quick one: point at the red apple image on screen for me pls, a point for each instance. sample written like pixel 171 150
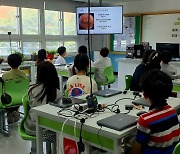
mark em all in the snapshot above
pixel 83 21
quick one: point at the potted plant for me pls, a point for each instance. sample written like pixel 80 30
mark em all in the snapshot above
pixel 50 54
pixel 34 56
pixel 19 53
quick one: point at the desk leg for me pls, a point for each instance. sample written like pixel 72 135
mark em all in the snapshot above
pixel 39 139
pixel 117 147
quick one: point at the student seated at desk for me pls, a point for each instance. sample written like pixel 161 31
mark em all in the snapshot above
pixel 101 64
pixel 14 61
pixel 158 130
pixel 139 71
pixel 42 56
pixel 79 84
pixel 62 53
pixel 167 68
pixel 44 91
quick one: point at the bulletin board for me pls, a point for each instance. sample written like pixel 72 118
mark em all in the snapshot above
pixel 131 34
pixel 161 28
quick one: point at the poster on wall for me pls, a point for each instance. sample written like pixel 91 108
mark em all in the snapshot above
pixel 121 41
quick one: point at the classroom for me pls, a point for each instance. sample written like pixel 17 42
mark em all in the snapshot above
pixel 90 77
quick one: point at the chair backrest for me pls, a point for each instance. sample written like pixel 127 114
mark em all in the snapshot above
pixel 1 106
pixel 177 149
pixel 17 89
pixel 128 80
pixel 25 105
pixel 109 74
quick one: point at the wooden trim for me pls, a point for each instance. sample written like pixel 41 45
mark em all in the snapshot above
pixel 117 52
pixel 151 13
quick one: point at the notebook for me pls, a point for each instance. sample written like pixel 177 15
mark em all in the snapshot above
pixel 107 92
pixel 118 122
pixel 142 101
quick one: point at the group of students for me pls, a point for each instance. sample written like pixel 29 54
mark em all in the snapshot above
pixel 157 130
pixel 153 60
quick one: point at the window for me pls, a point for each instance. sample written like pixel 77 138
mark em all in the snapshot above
pixel 30 21
pixel 53 45
pixel 5 48
pixel 8 20
pixel 52 23
pixel 69 23
pixel 30 47
pixel 71 46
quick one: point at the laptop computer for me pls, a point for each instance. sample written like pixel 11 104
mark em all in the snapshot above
pixel 142 101
pixel 118 122
pixel 107 92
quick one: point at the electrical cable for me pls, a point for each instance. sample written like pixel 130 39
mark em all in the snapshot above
pixel 99 137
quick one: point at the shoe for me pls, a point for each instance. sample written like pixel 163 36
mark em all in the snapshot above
pixel 16 116
pixel 10 118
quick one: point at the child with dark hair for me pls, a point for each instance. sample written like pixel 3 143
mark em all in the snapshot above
pixel 42 56
pixel 101 64
pixel 62 53
pixel 139 71
pixel 167 68
pixel 14 61
pixel 79 84
pixel 82 49
pixel 44 91
pixel 157 130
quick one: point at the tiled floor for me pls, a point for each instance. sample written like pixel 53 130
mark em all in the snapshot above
pixel 15 145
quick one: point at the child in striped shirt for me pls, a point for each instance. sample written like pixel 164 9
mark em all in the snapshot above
pixel 157 130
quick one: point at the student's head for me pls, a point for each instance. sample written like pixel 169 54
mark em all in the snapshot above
pixel 156 85
pixel 104 52
pixel 166 57
pixel 155 60
pixel 81 62
pixel 82 49
pixel 14 61
pixel 62 51
pixel 41 56
pixel 47 75
pixel 146 55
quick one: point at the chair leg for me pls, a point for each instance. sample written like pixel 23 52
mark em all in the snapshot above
pixel 54 150
pixel 48 147
pixel 33 147
pixel 3 124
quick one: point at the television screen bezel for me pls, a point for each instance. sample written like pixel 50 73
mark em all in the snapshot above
pixel 99 33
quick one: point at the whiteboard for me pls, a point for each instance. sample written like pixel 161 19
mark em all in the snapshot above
pixel 164 28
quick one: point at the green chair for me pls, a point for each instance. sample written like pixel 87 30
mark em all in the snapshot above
pixel 128 80
pixel 109 74
pixel 21 129
pixel 16 89
pixel 177 149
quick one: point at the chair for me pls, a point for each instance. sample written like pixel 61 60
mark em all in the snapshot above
pixel 21 129
pixel 22 132
pixel 128 80
pixel 16 89
pixel 177 149
pixel 109 74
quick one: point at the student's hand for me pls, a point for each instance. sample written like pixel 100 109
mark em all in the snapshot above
pixel 137 149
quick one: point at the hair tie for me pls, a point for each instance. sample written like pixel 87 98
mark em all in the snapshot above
pixel 156 55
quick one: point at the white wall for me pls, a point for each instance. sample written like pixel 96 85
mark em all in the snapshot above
pixel 150 6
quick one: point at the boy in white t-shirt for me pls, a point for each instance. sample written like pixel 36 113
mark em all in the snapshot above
pixel 79 84
pixel 62 53
pixel 101 64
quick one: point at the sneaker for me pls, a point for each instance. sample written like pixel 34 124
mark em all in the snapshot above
pixel 9 118
pixel 16 116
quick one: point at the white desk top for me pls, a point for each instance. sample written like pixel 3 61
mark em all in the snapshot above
pixel 91 123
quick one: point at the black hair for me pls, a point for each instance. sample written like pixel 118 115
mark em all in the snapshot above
pixel 166 57
pixel 104 52
pixel 61 50
pixel 156 85
pixel 154 60
pixel 14 60
pixel 82 49
pixel 47 75
pixel 41 56
pixel 81 62
pixel 146 55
